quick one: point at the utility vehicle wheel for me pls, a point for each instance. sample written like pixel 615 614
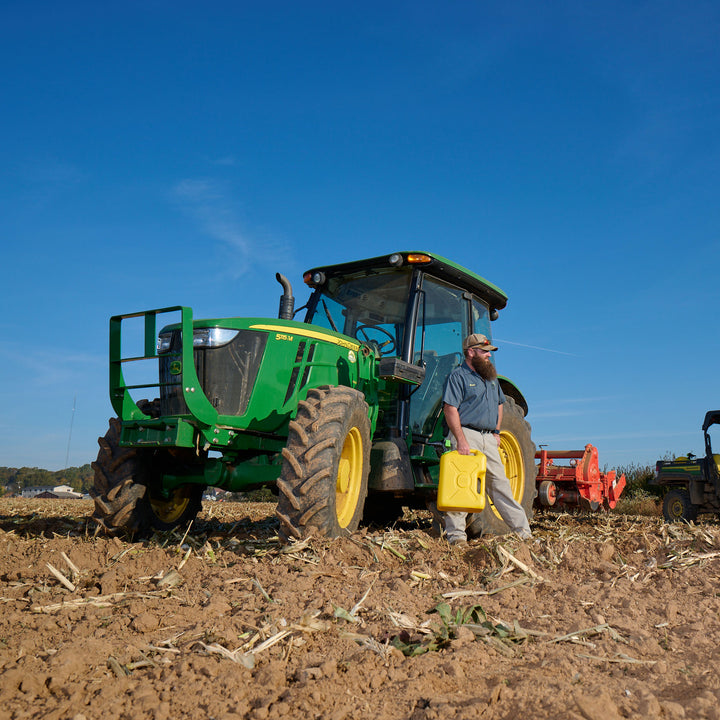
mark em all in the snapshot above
pixel 123 493
pixel 323 483
pixel 517 453
pixel 677 506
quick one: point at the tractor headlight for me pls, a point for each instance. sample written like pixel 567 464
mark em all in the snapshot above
pixel 213 337
pixel 164 342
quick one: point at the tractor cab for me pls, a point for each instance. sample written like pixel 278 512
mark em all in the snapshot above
pixel 416 307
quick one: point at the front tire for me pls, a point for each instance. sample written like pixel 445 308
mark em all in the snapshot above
pixel 517 453
pixel 677 506
pixel 326 462
pixel 125 500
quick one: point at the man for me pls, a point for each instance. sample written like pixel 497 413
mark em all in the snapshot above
pixel 473 405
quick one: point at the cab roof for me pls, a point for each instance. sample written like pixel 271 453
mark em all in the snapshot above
pixel 712 417
pixel 432 264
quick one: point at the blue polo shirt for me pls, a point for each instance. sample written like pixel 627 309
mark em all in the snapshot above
pixel 477 400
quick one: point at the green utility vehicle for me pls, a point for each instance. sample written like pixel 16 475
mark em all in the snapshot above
pixel 340 414
pixel 692 484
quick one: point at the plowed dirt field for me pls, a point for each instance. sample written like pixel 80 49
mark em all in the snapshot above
pixel 599 617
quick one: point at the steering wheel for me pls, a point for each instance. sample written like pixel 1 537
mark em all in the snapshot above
pixel 361 332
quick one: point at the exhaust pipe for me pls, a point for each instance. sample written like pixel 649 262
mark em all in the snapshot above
pixel 287 301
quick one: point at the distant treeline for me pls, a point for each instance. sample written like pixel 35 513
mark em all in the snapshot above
pixel 81 478
pixel 15 479
pixel 637 479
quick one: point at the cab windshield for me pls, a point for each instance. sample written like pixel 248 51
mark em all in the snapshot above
pixel 370 306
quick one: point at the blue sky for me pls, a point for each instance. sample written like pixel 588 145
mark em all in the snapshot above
pixel 163 153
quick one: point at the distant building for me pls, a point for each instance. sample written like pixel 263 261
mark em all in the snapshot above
pixel 48 491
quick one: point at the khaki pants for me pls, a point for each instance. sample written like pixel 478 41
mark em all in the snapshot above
pixel 497 487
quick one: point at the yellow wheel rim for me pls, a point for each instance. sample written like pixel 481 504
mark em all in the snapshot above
pixel 172 509
pixel 349 478
pixel 512 460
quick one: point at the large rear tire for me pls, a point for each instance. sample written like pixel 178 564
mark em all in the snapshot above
pixel 677 506
pixel 326 462
pixel 125 499
pixel 517 453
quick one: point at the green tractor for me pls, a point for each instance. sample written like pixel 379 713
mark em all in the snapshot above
pixel 340 414
pixel 691 484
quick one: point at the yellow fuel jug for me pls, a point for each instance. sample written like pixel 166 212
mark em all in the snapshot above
pixel 461 487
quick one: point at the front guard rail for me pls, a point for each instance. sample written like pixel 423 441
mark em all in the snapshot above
pixel 126 408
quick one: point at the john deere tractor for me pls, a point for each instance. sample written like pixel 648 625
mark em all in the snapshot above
pixel 339 413
pixel 691 484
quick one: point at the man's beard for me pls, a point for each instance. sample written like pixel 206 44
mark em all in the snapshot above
pixel 484 368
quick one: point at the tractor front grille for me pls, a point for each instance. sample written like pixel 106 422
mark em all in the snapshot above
pixel 227 374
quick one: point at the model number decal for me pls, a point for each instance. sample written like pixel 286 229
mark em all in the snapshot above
pixel 308 333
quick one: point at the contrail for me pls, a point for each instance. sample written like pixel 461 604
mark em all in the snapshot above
pixel 534 347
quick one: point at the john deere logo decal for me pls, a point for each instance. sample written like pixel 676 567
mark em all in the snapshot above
pixel 175 367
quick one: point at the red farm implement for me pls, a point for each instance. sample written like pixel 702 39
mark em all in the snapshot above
pixel 579 485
